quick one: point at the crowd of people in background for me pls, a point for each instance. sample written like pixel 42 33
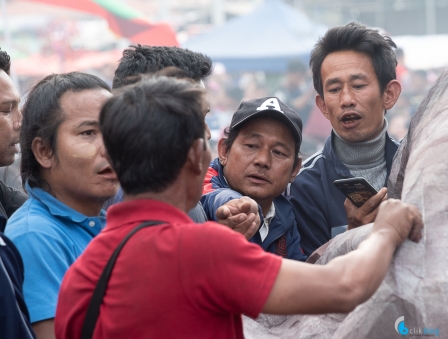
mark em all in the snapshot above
pixel 227 89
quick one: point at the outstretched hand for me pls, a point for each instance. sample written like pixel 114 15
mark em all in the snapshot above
pixel 240 215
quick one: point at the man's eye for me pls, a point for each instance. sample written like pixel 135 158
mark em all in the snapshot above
pixel 250 145
pixel 359 86
pixel 6 110
pixel 279 153
pixel 333 90
pixel 88 132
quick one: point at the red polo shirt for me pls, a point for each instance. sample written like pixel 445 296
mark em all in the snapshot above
pixel 177 280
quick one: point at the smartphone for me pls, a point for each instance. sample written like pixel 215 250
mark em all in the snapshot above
pixel 357 190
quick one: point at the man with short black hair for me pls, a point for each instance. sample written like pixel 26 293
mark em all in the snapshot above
pixel 139 60
pixel 354 75
pixel 15 319
pixel 10 123
pixel 68 178
pixel 201 277
pixel 143 59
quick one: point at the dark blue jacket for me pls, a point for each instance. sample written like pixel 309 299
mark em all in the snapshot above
pixel 318 204
pixel 283 238
pixel 14 317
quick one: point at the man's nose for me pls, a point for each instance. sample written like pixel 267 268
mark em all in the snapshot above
pixel 208 134
pixel 102 149
pixel 263 158
pixel 17 119
pixel 347 97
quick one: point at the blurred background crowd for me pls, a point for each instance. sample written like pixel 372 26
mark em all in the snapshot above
pixel 259 47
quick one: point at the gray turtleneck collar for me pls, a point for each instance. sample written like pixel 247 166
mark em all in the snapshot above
pixel 364 159
pixel 361 153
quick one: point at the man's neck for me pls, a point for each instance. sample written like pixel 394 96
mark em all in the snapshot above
pixel 87 207
pixel 363 152
pixel 265 206
pixel 178 194
pixel 163 197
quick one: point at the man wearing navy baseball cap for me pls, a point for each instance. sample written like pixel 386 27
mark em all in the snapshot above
pixel 258 157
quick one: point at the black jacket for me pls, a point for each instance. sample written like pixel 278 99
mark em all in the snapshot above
pixel 14 316
pixel 10 200
pixel 318 204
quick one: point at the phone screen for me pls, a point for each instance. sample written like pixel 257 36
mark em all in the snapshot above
pixel 357 190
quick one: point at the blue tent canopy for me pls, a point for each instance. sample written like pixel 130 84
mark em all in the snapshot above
pixel 265 39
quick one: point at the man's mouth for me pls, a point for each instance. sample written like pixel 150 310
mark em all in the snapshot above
pixel 107 172
pixel 258 178
pixel 348 118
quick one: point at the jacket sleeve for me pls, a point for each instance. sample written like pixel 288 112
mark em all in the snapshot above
pixel 294 247
pixel 309 212
pixel 11 198
pixel 15 321
pixel 213 200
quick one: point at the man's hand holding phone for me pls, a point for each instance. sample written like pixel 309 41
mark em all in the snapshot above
pixel 358 216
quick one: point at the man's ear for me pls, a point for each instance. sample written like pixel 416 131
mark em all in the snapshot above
pixel 195 155
pixel 391 94
pixel 296 169
pixel 222 152
pixel 42 152
pixel 321 104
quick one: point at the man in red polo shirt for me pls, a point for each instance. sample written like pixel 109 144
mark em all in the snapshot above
pixel 179 279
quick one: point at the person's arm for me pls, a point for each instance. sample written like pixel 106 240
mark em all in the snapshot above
pixel 348 280
pixel 235 213
pixel 241 215
pixel 358 216
pixel 44 329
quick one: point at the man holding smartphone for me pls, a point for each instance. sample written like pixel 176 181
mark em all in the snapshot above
pixel 355 79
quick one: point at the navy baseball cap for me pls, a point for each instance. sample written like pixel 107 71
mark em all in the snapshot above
pixel 270 107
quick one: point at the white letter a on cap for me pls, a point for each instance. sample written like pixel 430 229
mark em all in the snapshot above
pixel 271 103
